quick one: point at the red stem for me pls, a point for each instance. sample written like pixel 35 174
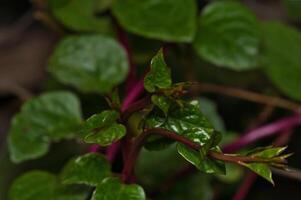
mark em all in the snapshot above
pixel 139 141
pixel 263 132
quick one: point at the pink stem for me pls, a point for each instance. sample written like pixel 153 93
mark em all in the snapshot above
pixel 122 37
pixel 112 151
pixel 94 148
pixel 133 95
pixel 263 132
pixel 133 89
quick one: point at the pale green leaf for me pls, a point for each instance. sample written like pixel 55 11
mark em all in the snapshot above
pixel 91 63
pixel 51 116
pixel 168 20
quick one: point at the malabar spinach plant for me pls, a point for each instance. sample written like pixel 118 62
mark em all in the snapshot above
pixel 153 113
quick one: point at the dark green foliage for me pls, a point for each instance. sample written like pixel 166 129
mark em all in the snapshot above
pixel 166 20
pixel 225 34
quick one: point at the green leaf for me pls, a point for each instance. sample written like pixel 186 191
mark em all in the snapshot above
pixel 36 185
pixel 162 102
pixel 213 141
pixel 80 15
pixel 53 115
pixel 33 186
pixel 293 8
pixel 228 36
pixel 26 142
pixel 103 129
pixel 101 120
pixel 267 152
pixel 159 76
pixel 166 20
pixel 107 136
pixel 89 169
pixel 91 63
pixel 281 57
pixel 204 164
pixel 187 120
pixel 112 189
pixel 261 169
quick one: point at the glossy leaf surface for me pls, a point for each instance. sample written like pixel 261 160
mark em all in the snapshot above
pixel 103 129
pixel 228 36
pixel 112 189
pixel 89 169
pixel 91 63
pixel 159 76
pixel 187 120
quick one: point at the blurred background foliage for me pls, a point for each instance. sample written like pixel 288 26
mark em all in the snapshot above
pixel 29 32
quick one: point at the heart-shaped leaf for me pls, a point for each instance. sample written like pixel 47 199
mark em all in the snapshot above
pixel 112 189
pixel 102 128
pixel 165 20
pixel 228 36
pixel 91 63
pixel 37 185
pixel 89 169
pixel 282 67
pixel 159 76
pixel 53 115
